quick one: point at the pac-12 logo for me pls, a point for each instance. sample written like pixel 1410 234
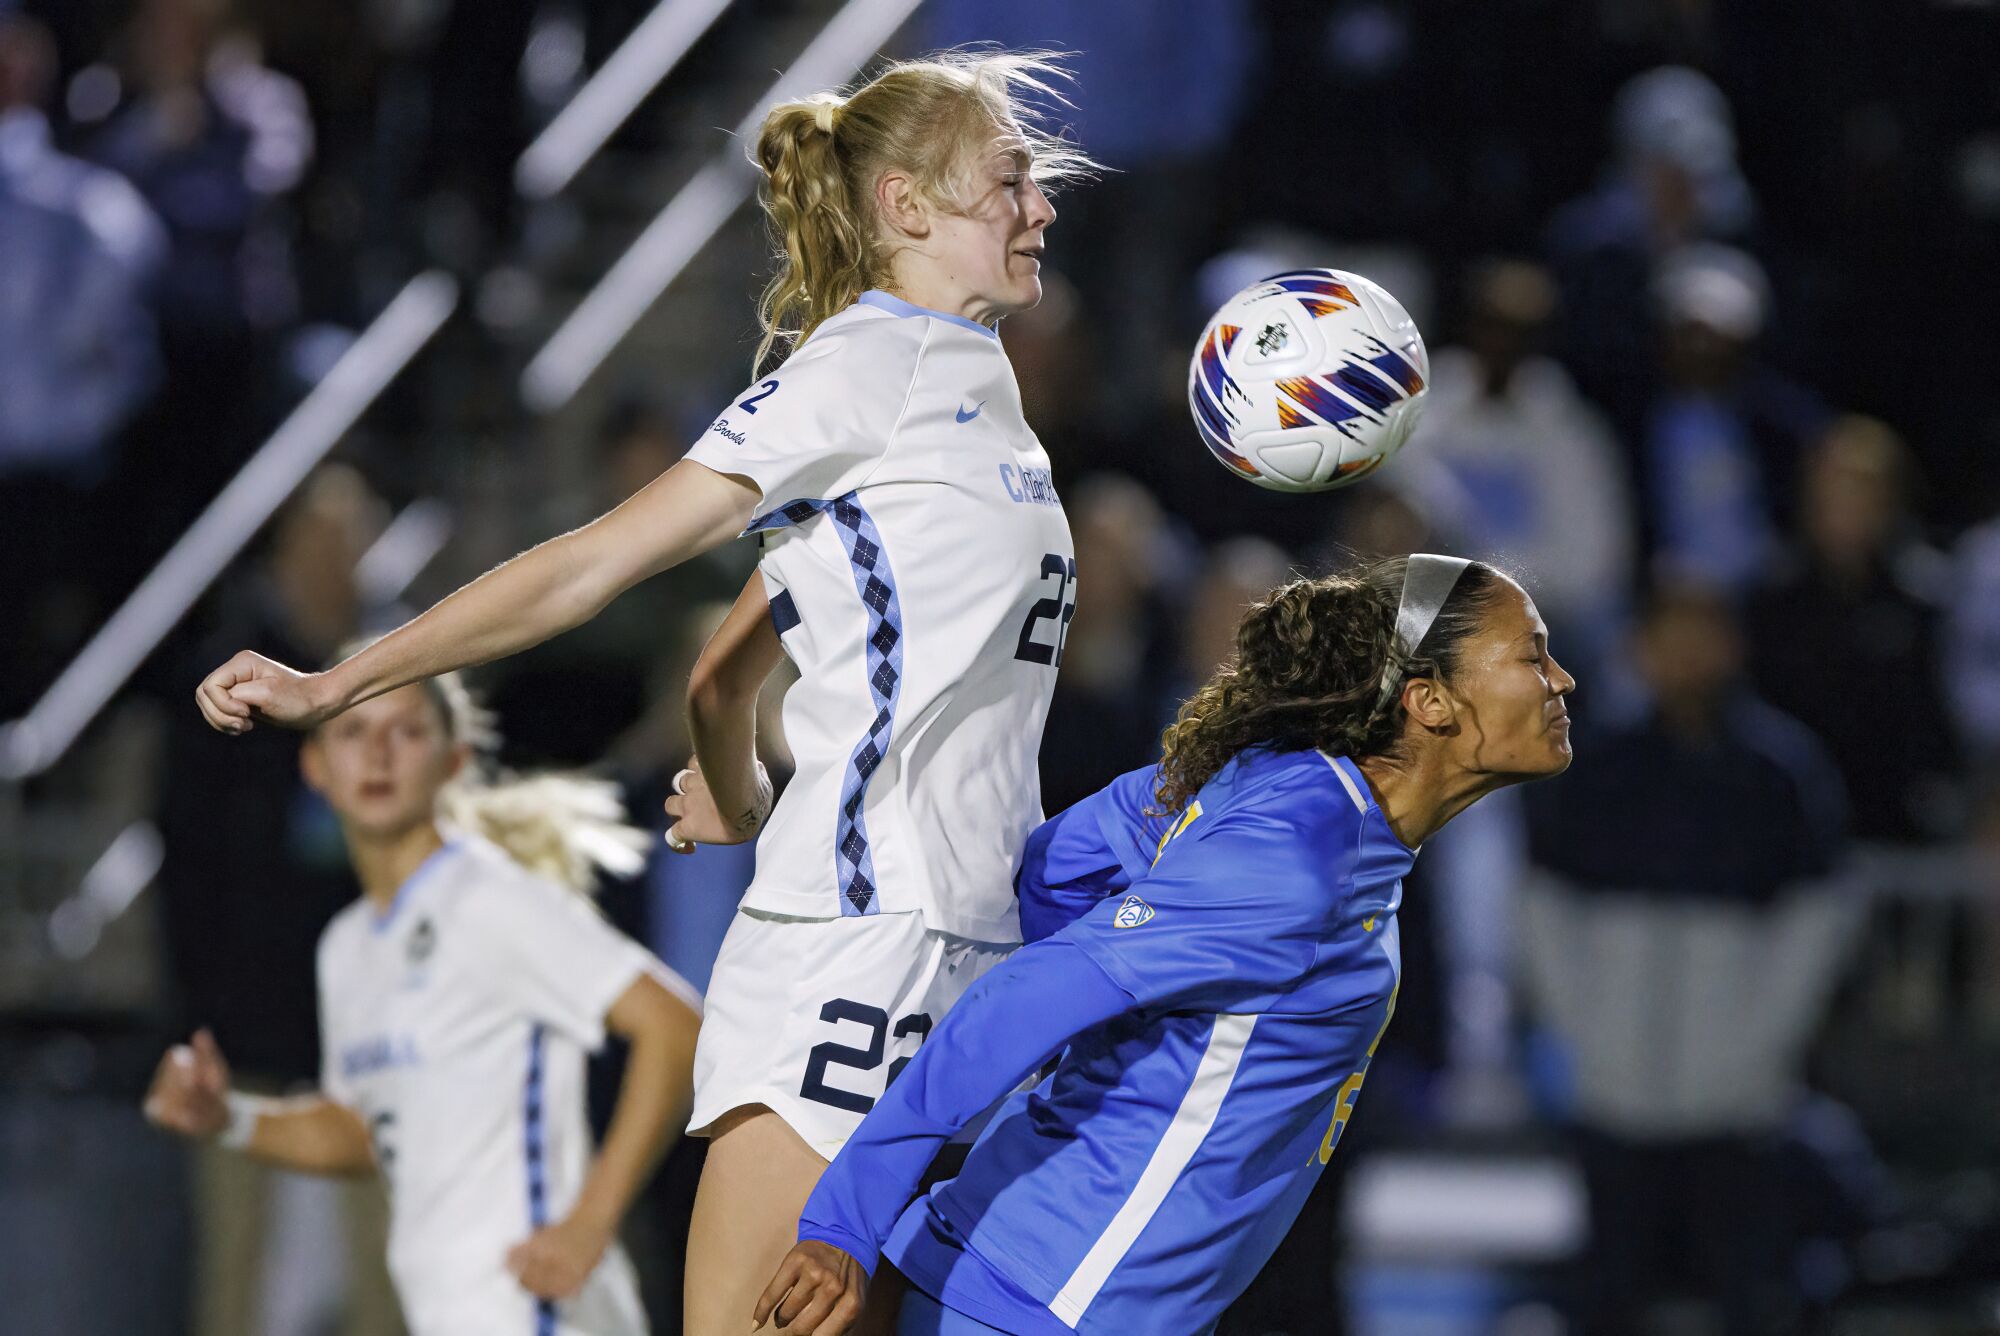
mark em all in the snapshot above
pixel 1132 913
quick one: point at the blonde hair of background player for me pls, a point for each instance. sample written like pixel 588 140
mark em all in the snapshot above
pixel 564 827
pixel 821 157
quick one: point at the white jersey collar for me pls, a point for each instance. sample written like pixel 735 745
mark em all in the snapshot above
pixel 894 305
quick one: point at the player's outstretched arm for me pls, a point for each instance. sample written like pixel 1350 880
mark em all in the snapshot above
pixel 190 1095
pixel 724 794
pixel 1007 1025
pixel 550 588
pixel 653 1105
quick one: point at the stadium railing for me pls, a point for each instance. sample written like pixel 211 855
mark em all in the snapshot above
pixel 31 744
pixel 612 94
pixel 697 212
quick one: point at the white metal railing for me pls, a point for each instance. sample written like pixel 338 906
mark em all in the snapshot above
pixel 635 69
pixel 697 212
pixel 401 551
pixel 37 740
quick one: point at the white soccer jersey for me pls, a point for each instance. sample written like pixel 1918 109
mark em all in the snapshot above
pixel 456 1024
pixel 921 576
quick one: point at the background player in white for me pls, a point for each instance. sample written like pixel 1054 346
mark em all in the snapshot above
pixel 918 563
pixel 458 999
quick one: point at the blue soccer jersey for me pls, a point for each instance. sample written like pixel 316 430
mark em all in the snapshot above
pixel 1216 1014
pixel 1095 848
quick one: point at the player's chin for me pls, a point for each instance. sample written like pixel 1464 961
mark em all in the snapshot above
pixel 1025 289
pixel 382 818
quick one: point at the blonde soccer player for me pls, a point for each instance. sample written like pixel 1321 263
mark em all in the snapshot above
pixel 917 563
pixel 459 999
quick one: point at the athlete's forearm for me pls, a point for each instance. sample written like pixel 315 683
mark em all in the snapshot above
pixel 516 605
pixel 1007 1025
pixel 310 1135
pixel 722 705
pixel 653 1102
pixel 550 588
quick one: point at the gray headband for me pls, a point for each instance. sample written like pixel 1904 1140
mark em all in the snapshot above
pixel 1427 583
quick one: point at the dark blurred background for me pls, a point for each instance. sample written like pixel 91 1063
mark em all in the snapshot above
pixel 1702 1037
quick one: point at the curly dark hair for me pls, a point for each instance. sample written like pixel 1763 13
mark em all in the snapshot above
pixel 1308 673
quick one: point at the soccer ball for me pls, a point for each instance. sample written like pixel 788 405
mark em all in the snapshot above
pixel 1308 381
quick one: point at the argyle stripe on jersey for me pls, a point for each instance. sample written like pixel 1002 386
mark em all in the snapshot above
pixel 875 582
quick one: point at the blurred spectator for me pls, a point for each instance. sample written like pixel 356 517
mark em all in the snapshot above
pixel 1679 936
pixel 214 141
pixel 253 869
pixel 79 254
pixel 1371 522
pixel 1513 466
pixel 1053 359
pixel 1238 573
pixel 1985 973
pixel 1723 437
pixel 1104 718
pixel 1973 644
pixel 1674 181
pixel 211 137
pixel 79 250
pixel 1855 619
pixel 483 56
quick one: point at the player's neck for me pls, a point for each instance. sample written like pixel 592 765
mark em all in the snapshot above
pixel 1420 799
pixel 383 864
pixel 922 282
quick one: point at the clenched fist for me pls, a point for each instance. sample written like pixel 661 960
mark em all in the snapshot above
pixel 699 819
pixel 251 687
pixel 554 1262
pixel 190 1091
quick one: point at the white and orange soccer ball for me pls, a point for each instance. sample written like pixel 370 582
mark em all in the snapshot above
pixel 1309 380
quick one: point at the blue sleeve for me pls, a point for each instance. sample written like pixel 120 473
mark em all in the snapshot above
pixel 1007 1025
pixel 1229 919
pixel 1093 849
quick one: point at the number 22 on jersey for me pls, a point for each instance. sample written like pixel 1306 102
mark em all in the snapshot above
pixel 1055 609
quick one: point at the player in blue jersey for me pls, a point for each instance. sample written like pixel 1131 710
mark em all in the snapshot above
pixel 1217 959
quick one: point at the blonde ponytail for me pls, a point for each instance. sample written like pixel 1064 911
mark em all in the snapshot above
pixel 566 827
pixel 823 249
pixel 822 155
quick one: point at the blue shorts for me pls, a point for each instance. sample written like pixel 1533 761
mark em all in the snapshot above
pixel 925 1316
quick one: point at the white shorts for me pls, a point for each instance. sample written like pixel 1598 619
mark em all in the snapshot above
pixel 814 1016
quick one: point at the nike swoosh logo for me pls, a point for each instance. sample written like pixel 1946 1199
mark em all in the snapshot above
pixel 964 416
